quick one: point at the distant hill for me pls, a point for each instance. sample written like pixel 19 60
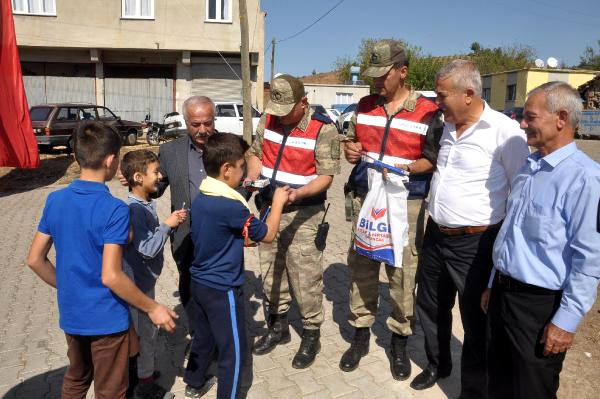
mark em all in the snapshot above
pixel 326 78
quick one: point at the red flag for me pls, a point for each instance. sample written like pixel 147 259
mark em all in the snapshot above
pixel 18 146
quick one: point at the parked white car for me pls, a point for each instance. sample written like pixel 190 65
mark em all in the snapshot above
pixel 345 117
pixel 333 113
pixel 328 112
pixel 229 117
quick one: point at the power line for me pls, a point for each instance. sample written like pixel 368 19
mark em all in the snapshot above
pixel 311 25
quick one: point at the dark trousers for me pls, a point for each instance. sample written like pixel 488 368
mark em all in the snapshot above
pixel 219 324
pixel 517 367
pixel 103 359
pixel 449 265
pixel 184 256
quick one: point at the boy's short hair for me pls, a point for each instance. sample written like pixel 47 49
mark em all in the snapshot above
pixel 136 161
pixel 222 148
pixel 93 143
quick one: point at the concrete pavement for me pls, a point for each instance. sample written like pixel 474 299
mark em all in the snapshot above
pixel 33 348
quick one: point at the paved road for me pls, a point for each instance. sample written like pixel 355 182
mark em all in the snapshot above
pixel 33 349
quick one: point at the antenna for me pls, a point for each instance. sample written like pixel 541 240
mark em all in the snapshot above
pixel 539 63
pixel 552 62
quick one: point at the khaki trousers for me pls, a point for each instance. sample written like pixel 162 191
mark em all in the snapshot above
pixel 364 276
pixel 293 264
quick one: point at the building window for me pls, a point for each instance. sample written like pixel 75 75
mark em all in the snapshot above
pixel 511 92
pixel 218 10
pixel 486 94
pixel 343 98
pixel 34 7
pixel 137 9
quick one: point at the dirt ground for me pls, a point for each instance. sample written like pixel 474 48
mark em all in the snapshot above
pixel 580 377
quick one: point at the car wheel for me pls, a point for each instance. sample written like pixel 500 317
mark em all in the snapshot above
pixel 131 138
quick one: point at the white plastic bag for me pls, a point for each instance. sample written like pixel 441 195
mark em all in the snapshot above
pixel 382 227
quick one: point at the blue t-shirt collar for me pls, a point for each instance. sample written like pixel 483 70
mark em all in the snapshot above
pixel 86 185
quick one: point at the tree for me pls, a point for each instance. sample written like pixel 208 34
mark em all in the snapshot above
pixel 423 67
pixel 498 59
pixel 590 58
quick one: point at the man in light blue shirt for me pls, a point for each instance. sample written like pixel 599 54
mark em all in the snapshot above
pixel 547 253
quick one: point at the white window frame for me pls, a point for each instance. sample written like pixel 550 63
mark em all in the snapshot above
pixel 218 18
pixel 138 9
pixel 27 12
pixel 344 96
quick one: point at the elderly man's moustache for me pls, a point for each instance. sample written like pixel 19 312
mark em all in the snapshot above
pixel 201 135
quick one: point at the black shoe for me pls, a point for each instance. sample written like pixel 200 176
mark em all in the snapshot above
pixel 278 333
pixel 428 377
pixel 358 348
pixel 309 347
pixel 399 361
pixel 200 392
pixel 151 390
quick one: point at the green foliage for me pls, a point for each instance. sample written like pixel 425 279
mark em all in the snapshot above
pixel 423 67
pixel 490 60
pixel 590 58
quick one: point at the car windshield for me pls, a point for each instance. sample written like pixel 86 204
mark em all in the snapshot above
pixel 350 108
pixel 39 113
pixel 105 113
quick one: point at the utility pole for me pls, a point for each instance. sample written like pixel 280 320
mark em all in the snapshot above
pixel 246 85
pixel 272 58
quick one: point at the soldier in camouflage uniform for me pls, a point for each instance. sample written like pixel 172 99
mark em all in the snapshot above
pixel 401 128
pixel 301 149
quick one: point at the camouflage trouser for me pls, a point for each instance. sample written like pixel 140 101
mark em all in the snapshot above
pixel 292 263
pixel 364 276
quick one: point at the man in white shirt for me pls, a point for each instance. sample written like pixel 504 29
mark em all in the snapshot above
pixel 481 150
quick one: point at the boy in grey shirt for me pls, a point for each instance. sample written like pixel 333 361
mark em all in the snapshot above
pixel 143 257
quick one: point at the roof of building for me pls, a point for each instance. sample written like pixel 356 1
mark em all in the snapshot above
pixel 586 85
pixel 553 70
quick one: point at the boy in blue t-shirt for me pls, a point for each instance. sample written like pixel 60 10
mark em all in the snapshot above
pixel 143 257
pixel 222 221
pixel 88 227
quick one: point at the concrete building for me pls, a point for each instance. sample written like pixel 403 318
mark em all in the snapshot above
pixel 330 94
pixel 508 89
pixel 136 56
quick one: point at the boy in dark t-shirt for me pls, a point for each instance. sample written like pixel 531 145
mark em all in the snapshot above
pixel 222 221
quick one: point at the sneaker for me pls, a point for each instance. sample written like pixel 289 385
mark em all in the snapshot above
pixel 152 391
pixel 193 393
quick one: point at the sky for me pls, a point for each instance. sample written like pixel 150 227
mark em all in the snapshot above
pixel 553 28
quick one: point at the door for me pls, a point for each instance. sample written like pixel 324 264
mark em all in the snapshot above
pixel 131 92
pixel 65 122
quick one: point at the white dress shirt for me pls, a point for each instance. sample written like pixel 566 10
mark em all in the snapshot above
pixel 472 180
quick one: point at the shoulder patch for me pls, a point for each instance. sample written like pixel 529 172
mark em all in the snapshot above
pixel 321 117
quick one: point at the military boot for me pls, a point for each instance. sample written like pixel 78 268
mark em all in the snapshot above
pixel 309 347
pixel 358 348
pixel 399 361
pixel 278 333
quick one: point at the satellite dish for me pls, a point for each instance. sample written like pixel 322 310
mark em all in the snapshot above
pixel 539 63
pixel 552 62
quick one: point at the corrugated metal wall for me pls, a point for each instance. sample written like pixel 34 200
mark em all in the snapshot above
pixel 217 82
pixel 133 98
pixel 59 89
